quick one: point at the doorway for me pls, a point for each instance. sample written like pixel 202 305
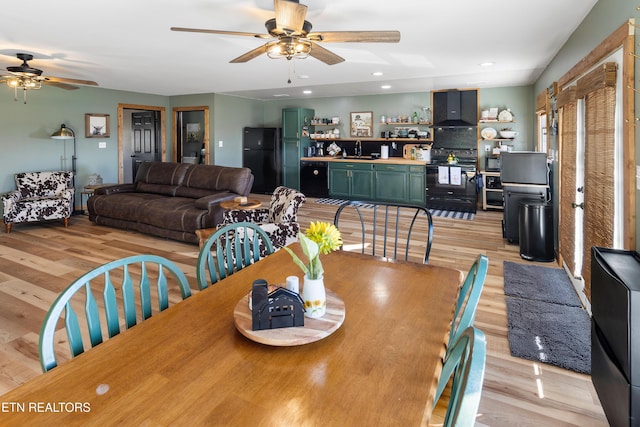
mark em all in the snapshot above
pixel 141 136
pixel 191 134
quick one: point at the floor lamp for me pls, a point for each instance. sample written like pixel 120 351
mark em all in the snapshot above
pixel 67 133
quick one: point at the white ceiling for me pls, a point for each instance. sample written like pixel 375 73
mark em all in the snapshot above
pixel 127 44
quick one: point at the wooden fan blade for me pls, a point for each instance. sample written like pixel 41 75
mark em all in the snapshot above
pixel 356 36
pixel 325 55
pixel 290 15
pixel 51 79
pixel 60 85
pixel 250 55
pixel 229 33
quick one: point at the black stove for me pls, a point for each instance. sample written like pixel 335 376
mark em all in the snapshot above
pixel 452 186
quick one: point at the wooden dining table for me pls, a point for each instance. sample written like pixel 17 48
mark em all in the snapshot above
pixel 189 365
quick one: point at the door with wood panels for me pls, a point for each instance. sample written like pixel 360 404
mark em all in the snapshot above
pixel 144 142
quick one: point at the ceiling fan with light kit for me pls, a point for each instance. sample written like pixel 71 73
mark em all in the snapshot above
pixel 27 78
pixel 290 36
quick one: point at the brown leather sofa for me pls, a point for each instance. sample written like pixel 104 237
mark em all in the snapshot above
pixel 170 200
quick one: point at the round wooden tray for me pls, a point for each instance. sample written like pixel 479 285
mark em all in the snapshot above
pixel 313 329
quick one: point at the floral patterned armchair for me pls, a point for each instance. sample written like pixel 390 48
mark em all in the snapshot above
pixel 40 196
pixel 279 221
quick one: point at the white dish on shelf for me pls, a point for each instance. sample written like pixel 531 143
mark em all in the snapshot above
pixel 488 133
pixel 505 116
pixel 509 134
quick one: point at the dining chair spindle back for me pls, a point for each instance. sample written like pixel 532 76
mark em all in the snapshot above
pixel 387 229
pixel 134 275
pixel 463 370
pixel 231 248
pixel 468 298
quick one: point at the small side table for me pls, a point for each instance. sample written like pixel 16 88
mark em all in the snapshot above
pixel 89 190
pixel 232 204
pixel 204 233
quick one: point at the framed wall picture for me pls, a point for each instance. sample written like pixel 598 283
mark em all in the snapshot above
pixel 96 125
pixel 362 124
pixel 193 132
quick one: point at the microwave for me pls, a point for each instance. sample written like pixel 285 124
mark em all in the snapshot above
pixel 492 164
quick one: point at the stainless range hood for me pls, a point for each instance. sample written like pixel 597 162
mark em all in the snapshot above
pixel 455 108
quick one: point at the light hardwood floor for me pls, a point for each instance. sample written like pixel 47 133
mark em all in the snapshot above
pixel 38 261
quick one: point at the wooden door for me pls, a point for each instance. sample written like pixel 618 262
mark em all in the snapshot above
pixel 144 142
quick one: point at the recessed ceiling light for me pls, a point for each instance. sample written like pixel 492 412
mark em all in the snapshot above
pixel 386 86
pixel 307 92
pixel 487 64
pixel 303 76
pixel 377 73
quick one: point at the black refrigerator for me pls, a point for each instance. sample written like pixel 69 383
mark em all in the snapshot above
pixel 262 153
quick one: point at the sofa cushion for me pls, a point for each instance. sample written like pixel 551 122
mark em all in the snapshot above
pixel 167 173
pixel 172 213
pixel 43 184
pixel 121 205
pixel 214 177
pixel 164 189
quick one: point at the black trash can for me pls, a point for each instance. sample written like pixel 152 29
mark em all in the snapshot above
pixel 536 230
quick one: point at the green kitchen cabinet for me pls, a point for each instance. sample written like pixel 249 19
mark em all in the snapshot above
pixel 351 180
pixel 391 183
pixel 296 128
pixel 417 182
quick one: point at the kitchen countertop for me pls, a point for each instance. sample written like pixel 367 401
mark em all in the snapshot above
pixel 365 159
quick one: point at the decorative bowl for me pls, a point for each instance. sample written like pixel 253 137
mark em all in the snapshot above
pixel 510 134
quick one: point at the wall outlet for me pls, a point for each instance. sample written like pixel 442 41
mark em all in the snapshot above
pixel 487 148
pixel 220 144
pixel 102 144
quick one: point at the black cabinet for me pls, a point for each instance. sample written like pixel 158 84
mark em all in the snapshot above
pixel 615 333
pixel 513 196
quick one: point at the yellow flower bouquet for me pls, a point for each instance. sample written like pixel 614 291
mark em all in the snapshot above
pixel 320 237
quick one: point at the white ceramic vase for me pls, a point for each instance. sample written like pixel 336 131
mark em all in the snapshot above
pixel 314 297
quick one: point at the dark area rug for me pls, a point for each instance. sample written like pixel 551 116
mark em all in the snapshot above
pixel 550 333
pixel 539 283
pixel 546 320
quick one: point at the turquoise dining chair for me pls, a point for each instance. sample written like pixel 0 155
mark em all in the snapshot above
pixel 468 298
pixel 464 368
pixel 231 248
pixel 134 275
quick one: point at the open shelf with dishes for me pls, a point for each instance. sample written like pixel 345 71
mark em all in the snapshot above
pixel 494 133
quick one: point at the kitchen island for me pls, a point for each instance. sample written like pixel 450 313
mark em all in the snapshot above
pixel 395 179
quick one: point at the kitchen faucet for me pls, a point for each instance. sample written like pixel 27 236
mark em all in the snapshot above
pixel 358 152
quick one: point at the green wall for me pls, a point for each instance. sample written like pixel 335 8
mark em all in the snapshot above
pixel 605 17
pixel 25 141
pixel 26 145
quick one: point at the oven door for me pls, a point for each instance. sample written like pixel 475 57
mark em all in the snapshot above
pixel 451 179
pixel 451 188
